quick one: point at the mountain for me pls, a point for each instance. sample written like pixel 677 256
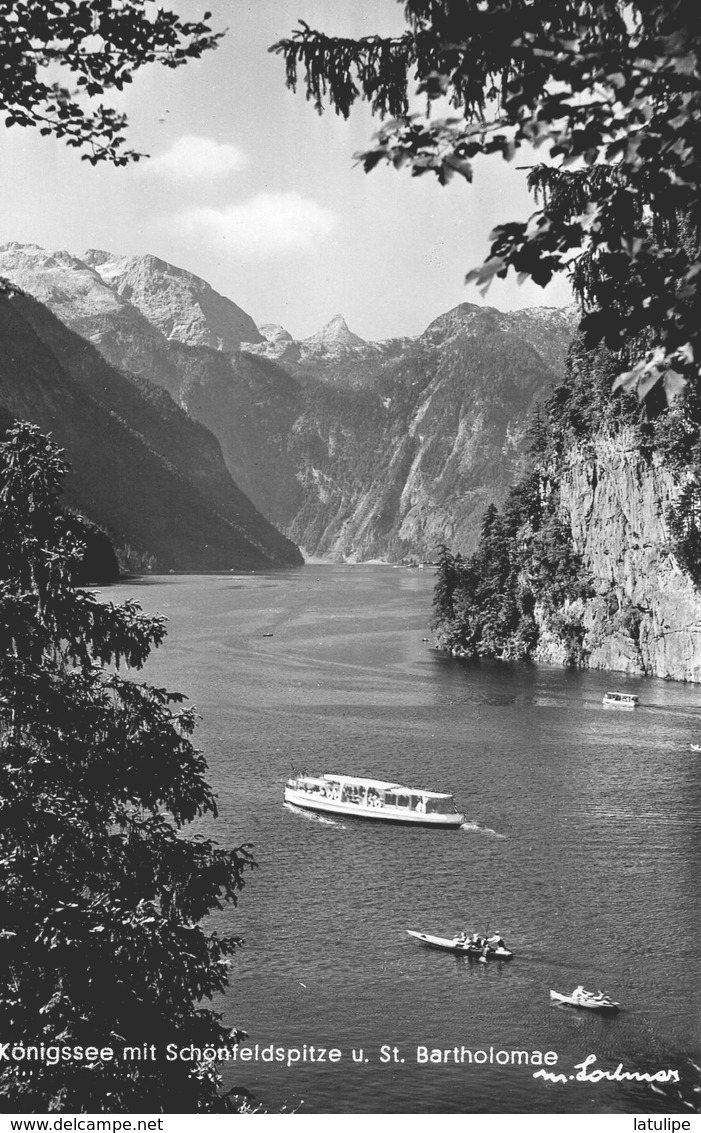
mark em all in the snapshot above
pixel 355 449
pixel 141 469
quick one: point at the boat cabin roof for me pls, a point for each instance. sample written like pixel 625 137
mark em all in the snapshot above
pixel 380 785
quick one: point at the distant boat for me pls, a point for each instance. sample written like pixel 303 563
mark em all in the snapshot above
pixel 463 946
pixel 620 699
pixel 580 997
pixel 374 799
pixel 695 747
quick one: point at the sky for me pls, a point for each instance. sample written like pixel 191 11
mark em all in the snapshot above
pixel 248 187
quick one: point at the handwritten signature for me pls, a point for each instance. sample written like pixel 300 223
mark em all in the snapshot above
pixel 585 1074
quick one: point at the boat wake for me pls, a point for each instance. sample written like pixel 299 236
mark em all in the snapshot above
pixel 475 828
pixel 313 817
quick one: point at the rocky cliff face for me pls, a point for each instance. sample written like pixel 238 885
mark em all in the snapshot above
pixel 646 615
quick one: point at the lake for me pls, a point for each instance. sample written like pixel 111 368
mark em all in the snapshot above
pixel 581 848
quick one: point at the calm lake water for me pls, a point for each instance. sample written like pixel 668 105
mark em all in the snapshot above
pixel 582 849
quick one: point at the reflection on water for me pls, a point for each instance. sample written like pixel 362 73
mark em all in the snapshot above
pixel 581 848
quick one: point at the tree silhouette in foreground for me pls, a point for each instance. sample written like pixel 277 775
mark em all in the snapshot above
pixel 96 45
pixel 609 90
pixel 101 893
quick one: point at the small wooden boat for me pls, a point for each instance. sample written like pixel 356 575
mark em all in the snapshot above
pixel 593 1001
pixel 462 947
pixel 620 699
pixel 355 797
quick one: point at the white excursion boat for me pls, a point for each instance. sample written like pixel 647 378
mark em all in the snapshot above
pixel 372 798
pixel 621 699
pixel 580 997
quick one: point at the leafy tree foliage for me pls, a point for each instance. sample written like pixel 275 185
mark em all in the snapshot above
pixel 96 45
pixel 101 892
pixel 609 90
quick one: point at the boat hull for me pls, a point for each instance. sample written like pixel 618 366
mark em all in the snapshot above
pixel 587 1005
pixel 446 944
pixel 374 814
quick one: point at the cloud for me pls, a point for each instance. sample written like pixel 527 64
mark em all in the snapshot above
pixel 265 225
pixel 197 159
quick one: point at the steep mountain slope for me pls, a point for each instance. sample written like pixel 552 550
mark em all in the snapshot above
pixel 355 449
pixel 383 450
pixel 141 469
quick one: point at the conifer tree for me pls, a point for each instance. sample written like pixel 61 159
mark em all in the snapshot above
pixel 101 891
pixel 447 578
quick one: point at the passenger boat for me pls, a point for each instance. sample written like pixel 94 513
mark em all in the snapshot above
pixel 463 947
pixel 621 699
pixel 372 798
pixel 580 997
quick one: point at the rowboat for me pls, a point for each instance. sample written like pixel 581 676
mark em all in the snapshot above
pixel 355 797
pixel 620 699
pixel 588 999
pixel 462 947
